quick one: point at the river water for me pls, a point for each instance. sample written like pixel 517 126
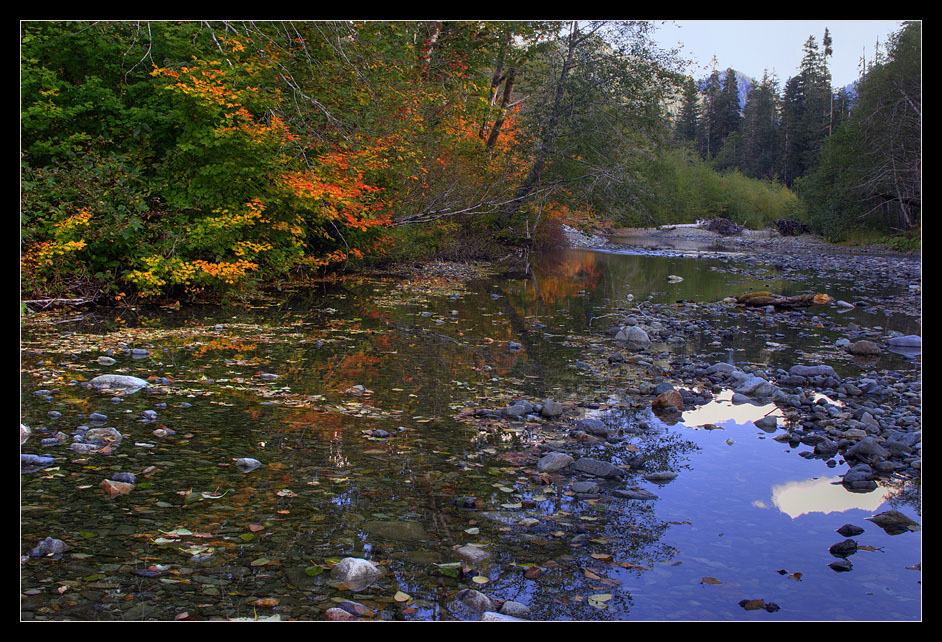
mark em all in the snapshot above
pixel 746 518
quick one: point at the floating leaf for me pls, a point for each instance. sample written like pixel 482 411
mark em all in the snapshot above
pixel 599 600
pixel 710 580
pixel 752 605
pixel 480 579
pixel 266 601
pixel 402 597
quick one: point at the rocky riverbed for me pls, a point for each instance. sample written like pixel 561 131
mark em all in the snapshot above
pixel 871 419
pixel 556 492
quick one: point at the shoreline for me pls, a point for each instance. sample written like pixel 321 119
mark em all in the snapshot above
pixel 748 241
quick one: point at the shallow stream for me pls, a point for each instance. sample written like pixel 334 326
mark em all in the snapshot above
pixel 746 518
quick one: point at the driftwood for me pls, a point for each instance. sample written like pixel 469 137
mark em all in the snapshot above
pixel 762 299
pixel 45 303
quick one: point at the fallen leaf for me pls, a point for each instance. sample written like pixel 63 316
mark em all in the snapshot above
pixel 402 597
pixel 266 601
pixel 752 605
pixel 710 580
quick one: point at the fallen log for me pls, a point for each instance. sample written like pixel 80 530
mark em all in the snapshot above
pixel 762 299
pixel 45 303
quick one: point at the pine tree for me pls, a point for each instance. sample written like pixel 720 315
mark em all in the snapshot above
pixel 761 130
pixel 686 128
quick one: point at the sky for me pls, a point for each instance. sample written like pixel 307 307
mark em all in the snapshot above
pixel 754 46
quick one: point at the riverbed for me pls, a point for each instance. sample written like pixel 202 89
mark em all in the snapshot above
pixel 406 419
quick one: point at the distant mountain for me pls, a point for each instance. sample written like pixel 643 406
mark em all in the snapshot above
pixel 743 83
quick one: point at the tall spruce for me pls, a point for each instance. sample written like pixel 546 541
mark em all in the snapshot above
pixel 709 120
pixel 686 127
pixel 761 130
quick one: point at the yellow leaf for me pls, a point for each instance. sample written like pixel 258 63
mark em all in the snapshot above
pixel 402 597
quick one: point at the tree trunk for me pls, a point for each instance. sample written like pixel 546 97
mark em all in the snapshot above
pixel 502 114
pixel 548 136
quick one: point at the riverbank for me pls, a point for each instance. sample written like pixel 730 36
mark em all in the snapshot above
pixel 747 240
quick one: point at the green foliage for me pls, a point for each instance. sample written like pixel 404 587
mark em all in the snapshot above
pixel 869 175
pixel 684 188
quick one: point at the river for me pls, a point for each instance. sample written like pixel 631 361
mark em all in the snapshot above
pixel 364 398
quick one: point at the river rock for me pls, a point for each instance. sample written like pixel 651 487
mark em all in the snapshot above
pixel 51 547
pixel 766 423
pixel 472 554
pixel 247 464
pixel 894 522
pixel 515 609
pixel 107 435
pixel 859 478
pixel 669 399
pixel 868 450
pixel 843 549
pixel 476 601
pixel 751 385
pixel 812 371
pixel 113 488
pixel 551 408
pixel 634 336
pixel 850 530
pixel 660 478
pixel 593 427
pixel 597 468
pixel 552 462
pixel 635 492
pixel 907 341
pixel 127 383
pixel 356 573
pixel 864 348
pixel 31 463
pixel 585 487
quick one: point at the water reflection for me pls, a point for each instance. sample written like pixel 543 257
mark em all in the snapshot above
pixel 722 410
pixel 824 495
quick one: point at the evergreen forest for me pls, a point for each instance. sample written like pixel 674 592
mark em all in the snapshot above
pixel 199 158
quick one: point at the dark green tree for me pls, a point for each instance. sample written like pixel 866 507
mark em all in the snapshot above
pixel 761 130
pixel 686 126
pixel 870 173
